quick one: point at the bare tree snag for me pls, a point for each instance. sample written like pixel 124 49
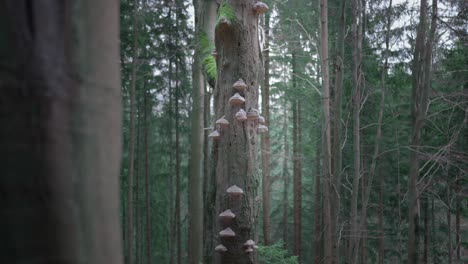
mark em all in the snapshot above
pixel 237 44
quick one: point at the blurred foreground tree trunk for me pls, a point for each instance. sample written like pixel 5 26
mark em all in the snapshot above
pixel 60 142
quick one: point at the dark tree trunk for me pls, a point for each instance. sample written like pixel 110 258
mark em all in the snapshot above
pixel 61 150
pixel 296 170
pixel 131 158
pixel 266 136
pixel 421 73
pixel 236 151
pixel 381 217
pixel 426 231
pixel 317 207
pixel 457 220
pixel 285 177
pixel 147 192
pixel 328 255
pixel 178 221
pixel 336 132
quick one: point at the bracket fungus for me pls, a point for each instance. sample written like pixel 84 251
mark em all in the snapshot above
pixel 220 248
pixel 249 250
pixel 227 233
pixel 249 243
pixel 253 114
pixel 234 191
pixel 260 7
pixel 261 120
pixel 227 215
pixel 236 99
pixel 241 115
pixel 223 21
pixel 240 85
pixel 262 129
pixel 214 135
pixel 222 122
pixel 214 53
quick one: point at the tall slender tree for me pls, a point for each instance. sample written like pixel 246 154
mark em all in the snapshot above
pixel 357 48
pixel 205 15
pixel 266 136
pixel 421 74
pixel 326 142
pixel 131 158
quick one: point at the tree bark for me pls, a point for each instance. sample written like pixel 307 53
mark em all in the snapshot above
pixel 297 226
pixel 236 162
pixel 61 150
pixel 131 151
pixel 177 154
pixel 381 218
pixel 426 231
pixel 354 232
pixel 147 194
pixel 336 132
pixel 266 136
pixel 285 177
pixel 449 224
pixel 204 21
pixel 421 74
pixel 317 207
pixel 457 220
pixel 326 142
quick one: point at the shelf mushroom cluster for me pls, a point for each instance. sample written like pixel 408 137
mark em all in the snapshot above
pixel 253 115
pixel 234 193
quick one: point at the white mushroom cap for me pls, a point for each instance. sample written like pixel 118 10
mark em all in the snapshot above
pixel 262 129
pixel 236 99
pixel 240 85
pixel 252 114
pixel 249 243
pixel 227 214
pixel 222 122
pixel 220 248
pixel 227 233
pixel 249 250
pixel 260 7
pixel 241 115
pixel 214 135
pixel 261 120
pixel 234 190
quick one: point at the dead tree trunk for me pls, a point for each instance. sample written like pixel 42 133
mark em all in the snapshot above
pixel 61 150
pixel 237 45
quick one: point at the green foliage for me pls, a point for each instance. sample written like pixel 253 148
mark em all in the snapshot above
pixel 275 254
pixel 208 61
pixel 226 11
